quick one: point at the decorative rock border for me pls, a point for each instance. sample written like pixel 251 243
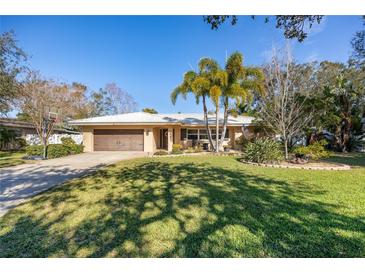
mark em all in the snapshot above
pixel 337 167
pixel 221 154
pixel 182 154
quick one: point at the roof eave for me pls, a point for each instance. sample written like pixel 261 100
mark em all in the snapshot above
pixel 144 123
pixel 117 123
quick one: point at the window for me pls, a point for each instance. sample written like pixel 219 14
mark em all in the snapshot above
pixel 203 134
pixel 213 131
pixel 183 134
pixel 199 134
pixel 193 134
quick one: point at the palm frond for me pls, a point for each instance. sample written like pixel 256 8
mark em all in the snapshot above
pixel 184 87
pixel 221 78
pixel 214 93
pixel 236 90
pixel 234 66
pixel 207 65
pixel 200 85
pixel 174 94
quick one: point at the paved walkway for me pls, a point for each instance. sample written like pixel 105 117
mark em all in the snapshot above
pixel 23 181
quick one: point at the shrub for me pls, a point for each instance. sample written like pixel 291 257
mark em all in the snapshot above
pixel 67 141
pixel 53 150
pixel 77 149
pixel 198 149
pixel 314 151
pixel 36 150
pixel 356 143
pixel 9 139
pixel 242 141
pixel 20 143
pixel 57 150
pixel 70 144
pixel 176 149
pixel 263 150
pixel 161 152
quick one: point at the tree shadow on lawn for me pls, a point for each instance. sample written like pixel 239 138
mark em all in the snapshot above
pixel 159 209
pixel 351 159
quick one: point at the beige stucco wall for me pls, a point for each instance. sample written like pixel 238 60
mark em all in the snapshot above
pixel 152 136
pixel 237 133
pixel 88 139
pixel 170 140
pixel 149 140
pixel 177 135
pixel 156 137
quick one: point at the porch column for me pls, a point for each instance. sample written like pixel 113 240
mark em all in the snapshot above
pixel 170 140
pixel 177 135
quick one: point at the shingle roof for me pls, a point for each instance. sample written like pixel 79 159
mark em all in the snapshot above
pixel 147 118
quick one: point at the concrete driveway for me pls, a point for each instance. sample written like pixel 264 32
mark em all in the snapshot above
pixel 23 181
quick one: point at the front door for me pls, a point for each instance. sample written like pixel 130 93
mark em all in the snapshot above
pixel 163 138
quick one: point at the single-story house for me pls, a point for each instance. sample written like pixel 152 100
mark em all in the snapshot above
pixel 140 131
pixel 28 132
pixel 23 128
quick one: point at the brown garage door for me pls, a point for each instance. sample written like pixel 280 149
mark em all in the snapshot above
pixel 118 139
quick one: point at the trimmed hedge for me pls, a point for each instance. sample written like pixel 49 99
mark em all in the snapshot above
pixel 56 150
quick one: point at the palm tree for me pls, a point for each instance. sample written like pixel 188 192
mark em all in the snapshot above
pixel 219 80
pixel 200 84
pixel 234 82
pixel 241 85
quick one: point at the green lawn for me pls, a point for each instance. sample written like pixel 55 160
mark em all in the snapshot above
pixel 352 159
pixel 11 158
pixel 197 206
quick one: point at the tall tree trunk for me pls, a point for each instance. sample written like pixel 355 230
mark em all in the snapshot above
pixel 225 118
pixel 338 139
pixel 207 124
pixel 44 151
pixel 44 141
pixel 346 135
pixel 217 129
pixel 286 148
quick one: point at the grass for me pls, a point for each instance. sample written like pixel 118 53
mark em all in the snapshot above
pixel 351 159
pixel 196 206
pixel 11 158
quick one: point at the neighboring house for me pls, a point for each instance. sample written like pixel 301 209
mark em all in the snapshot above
pixel 140 131
pixel 28 132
